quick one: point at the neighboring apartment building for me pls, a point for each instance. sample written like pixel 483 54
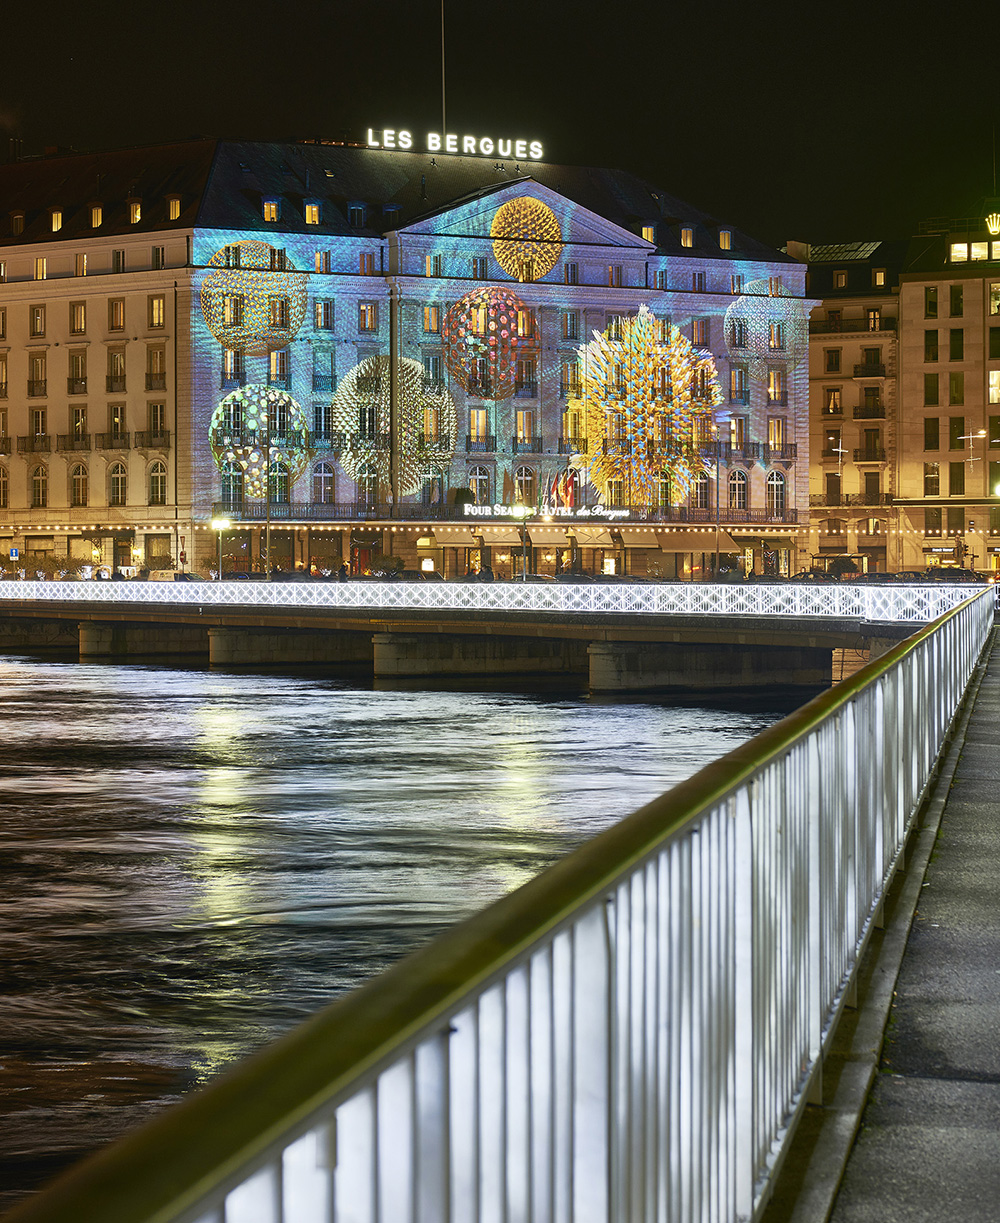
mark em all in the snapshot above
pixel 327 343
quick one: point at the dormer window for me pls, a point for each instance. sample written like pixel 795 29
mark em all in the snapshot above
pixel 173 207
pixel 725 239
pixel 134 212
pixel 56 219
pixel 17 223
pixel 96 216
pixel 649 233
pixel 687 236
pixel 312 214
pixel 270 209
pixel 356 216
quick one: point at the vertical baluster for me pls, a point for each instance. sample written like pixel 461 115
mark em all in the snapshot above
pixel 564 1058
pixel 432 1127
pixel 463 1083
pixel 355 1174
pixel 257 1200
pixel 518 1090
pixel 306 1178
pixel 541 1080
pixel 492 1107
pixel 592 986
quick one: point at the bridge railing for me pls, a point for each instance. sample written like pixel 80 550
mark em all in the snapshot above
pixel 630 1035
pixel 850 601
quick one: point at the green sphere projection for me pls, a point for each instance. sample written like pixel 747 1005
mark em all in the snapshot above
pixel 253 299
pixel 255 430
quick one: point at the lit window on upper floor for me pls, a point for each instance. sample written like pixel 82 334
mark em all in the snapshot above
pixel 312 214
pixel 173 207
pixel 979 251
pixel 366 263
pixel 878 278
pixel 614 275
pixel 17 222
pixel 3 271
pixel 737 282
pixel 687 236
pixel 432 319
pixel 775 286
pixel 158 258
pixel 840 280
pixel 959 252
pixel 649 233
pixel 41 269
pixel 660 278
pixel 56 218
pixel 725 239
pixel 80 265
pixel 270 210
pixel 134 212
pixel 432 265
pixel 322 261
pixel 96 216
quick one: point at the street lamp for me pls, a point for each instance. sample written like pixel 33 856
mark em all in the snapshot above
pixel 220 525
pixel 521 512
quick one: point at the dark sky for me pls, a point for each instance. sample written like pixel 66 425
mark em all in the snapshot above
pixel 820 122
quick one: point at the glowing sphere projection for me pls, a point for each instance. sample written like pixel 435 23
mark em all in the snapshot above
pixel 482 344
pixel 527 239
pixel 253 299
pixel 242 424
pixel 648 404
pixel 425 427
pixel 764 328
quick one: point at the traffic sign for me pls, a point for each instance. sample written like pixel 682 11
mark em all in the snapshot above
pixel 14 554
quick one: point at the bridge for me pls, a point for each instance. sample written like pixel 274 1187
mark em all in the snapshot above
pixel 628 637
pixel 634 1034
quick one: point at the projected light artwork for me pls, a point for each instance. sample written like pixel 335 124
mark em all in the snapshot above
pixel 764 327
pixel 483 341
pixel 425 429
pixel 526 237
pixel 259 431
pixel 648 406
pixel 253 299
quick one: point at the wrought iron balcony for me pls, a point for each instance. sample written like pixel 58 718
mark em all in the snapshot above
pixel 73 441
pixel 868 499
pixel 115 384
pixel 848 325
pixel 869 369
pixel 527 445
pixel 76 386
pixel 481 388
pixel 525 390
pixel 232 380
pixel 785 453
pixel 570 390
pixel 282 384
pixel 870 411
pixel 484 444
pixel 3 390
pixel 572 445
pixel 434 386
pixel 323 383
pixel 34 443
pixel 156 439
pixel 36 386
pixel 370 384
pixel 156 382
pixel 739 397
pixel 434 441
pixel 4 445
pixel 111 441
pixel 870 454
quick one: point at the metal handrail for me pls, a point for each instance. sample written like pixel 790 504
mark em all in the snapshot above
pixel 551 990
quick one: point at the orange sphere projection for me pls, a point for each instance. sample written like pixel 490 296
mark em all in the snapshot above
pixel 484 334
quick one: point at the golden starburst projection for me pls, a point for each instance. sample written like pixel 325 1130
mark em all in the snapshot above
pixel 766 326
pixel 253 299
pixel 485 333
pixel 258 430
pixel 527 239
pixel 647 397
pixel 426 436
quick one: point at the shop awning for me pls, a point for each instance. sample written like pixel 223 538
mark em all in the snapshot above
pixel 592 537
pixel 501 535
pixel 454 537
pixel 638 537
pixel 542 535
pixel 696 541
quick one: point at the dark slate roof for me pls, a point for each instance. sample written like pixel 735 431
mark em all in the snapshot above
pixel 858 260
pixel 223 183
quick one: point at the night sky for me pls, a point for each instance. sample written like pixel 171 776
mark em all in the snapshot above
pixel 823 123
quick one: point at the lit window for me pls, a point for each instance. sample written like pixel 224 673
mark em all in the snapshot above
pixel 776 336
pixel 157 258
pixel 699 332
pixel 995 251
pixel 96 216
pixel 432 319
pixel 776 386
pixel 367 263
pixel 17 223
pixel 725 240
pixel 173 207
pixel 432 265
pixel 840 280
pixel 480 270
pixel 135 212
pixel 649 233
pixel 118 491
pixel 660 278
pixel 615 275
pixel 571 325
pixel 978 251
pixel 56 215
pixel 878 278
pixel 3 271
pixel 279 312
pixel 322 261
pixel 81 265
pixel 737 282
pixel 959 252
pixel 116 314
pixel 158 484
pixel 687 236
pixel 36 321
pixel 324 314
pixel 41 268
pixel 39 488
pixel 775 286
pixel 367 316
pixel 994 386
pixel 3 324
pixel 79 485
pixel 312 214
pixel 269 210
pixel 157 311
pixel 78 318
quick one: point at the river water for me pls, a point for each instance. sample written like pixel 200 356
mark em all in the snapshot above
pixel 194 861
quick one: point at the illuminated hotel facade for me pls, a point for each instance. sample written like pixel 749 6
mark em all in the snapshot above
pixel 383 357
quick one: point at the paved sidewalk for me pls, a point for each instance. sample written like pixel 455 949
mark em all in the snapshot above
pixel 929 1143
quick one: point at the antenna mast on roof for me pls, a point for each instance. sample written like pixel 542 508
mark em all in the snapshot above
pixel 444 125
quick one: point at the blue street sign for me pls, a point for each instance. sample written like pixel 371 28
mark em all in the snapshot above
pixel 14 554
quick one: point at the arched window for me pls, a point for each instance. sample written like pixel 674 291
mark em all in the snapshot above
pixel 737 490
pixel 158 484
pixel 524 485
pixel 775 493
pixel 232 485
pixel 278 484
pixel 39 488
pixel 479 485
pixel 4 489
pixel 118 490
pixel 664 490
pixel 79 485
pixel 367 485
pixel 874 526
pixel 701 492
pixel 833 526
pixel 323 484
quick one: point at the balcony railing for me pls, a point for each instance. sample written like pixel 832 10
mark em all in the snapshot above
pixel 323 383
pixel 37 386
pixel 870 411
pixel 869 369
pixel 152 439
pixel 481 388
pixel 851 325
pixel 832 452
pixel 525 390
pixel 434 441
pixel 233 380
pixel 527 445
pixel 739 397
pixel 112 441
pixel 4 445
pixel 73 441
pixel 282 383
pixel 34 443
pixel 570 389
pixel 484 444
pixel 3 390
pixel 225 436
pixel 371 441
pixel 156 382
pixel 572 445
pixel 115 384
pixel 434 386
pixel 786 453
pixel 76 386
pixel 368 385
pixel 870 454
pixel 868 499
pixel 778 401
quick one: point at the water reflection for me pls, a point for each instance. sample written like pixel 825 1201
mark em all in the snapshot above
pixel 193 862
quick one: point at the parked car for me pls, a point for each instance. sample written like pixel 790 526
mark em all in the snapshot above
pixel 174 575
pixel 952 573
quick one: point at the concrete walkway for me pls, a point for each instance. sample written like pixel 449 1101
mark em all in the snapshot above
pixel 928 1145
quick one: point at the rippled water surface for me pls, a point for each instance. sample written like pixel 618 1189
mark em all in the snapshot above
pixel 192 861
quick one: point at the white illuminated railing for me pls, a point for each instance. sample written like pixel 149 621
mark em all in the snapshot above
pixel 631 1035
pixel 850 601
